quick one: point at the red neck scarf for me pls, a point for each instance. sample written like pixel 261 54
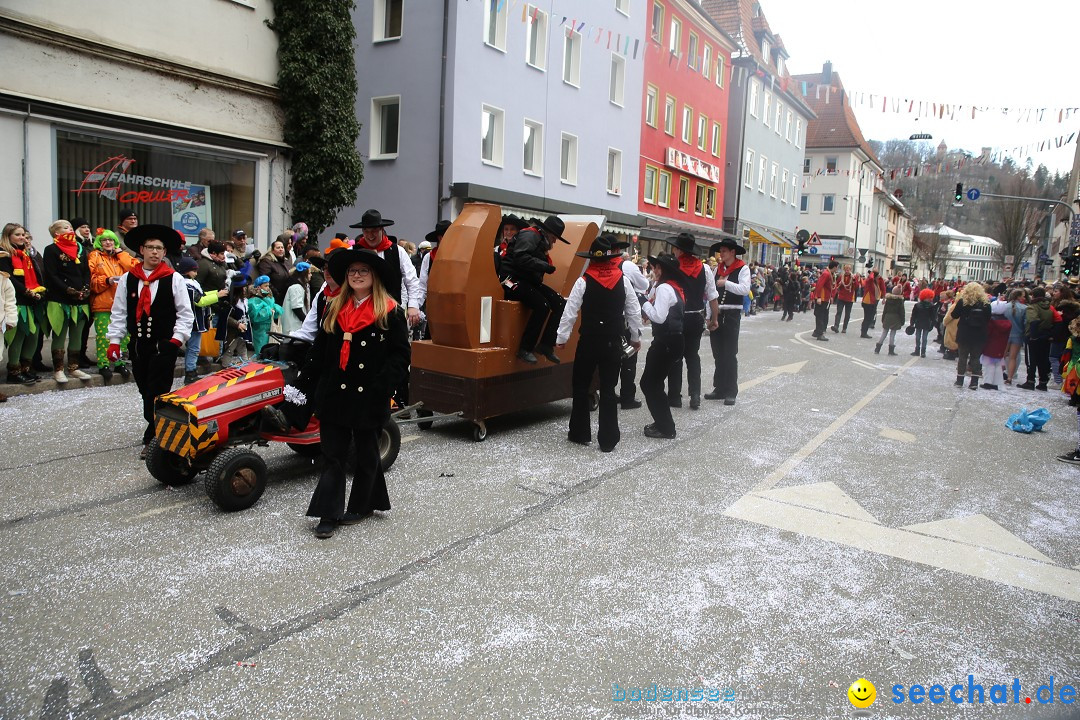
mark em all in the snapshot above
pixel 68 245
pixel 142 309
pixel 328 293
pixel 678 289
pixel 434 249
pixel 723 272
pixel 605 272
pixel 22 261
pixel 502 248
pixel 690 265
pixel 352 319
pixel 381 247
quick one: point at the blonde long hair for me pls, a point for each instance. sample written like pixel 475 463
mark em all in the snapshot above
pixel 5 238
pixel 973 294
pixel 380 303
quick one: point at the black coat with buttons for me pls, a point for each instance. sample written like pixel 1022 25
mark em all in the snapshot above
pixel 359 396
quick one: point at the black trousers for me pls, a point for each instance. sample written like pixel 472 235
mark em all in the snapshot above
pixel 627 374
pixel 596 355
pixel 869 313
pixel 153 370
pixel 547 308
pixel 693 327
pixel 821 318
pixel 789 307
pixel 1038 360
pixel 724 341
pixel 369 484
pixel 662 353
pixel 842 307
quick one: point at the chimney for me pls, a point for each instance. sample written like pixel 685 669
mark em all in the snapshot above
pixel 826 72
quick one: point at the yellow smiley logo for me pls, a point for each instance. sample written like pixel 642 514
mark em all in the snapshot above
pixel 862 693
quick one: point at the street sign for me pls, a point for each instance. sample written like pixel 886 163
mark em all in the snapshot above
pixel 802 236
pixel 1009 259
pixel 813 251
pixel 903 258
pixel 814 240
pixel 1007 268
pixel 973 194
pixel 1025 265
pixel 1074 231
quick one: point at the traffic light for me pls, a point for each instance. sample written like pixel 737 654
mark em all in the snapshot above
pixel 959 196
pixel 801 250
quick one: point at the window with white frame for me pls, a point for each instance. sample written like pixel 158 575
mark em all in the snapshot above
pixel 798 132
pixel 669 115
pixel 748 169
pixel 787 127
pixel 491 134
pixel 684 194
pixel 385 130
pixel 706 61
pixel 495 13
pixel 719 70
pixel 532 158
pixel 753 97
pixel 806 166
pixel 536 34
pixel 623 6
pixel 687 124
pixel 656 24
pixel 571 68
pixel 828 203
pixel 675 36
pixel 652 94
pixel 784 186
pixel 568 150
pixel 763 172
pixel 714 146
pixel 386 20
pixel 617 86
pixel 691 52
pixel 699 199
pixel 663 190
pixel 804 204
pixel 779 65
pixel 765 50
pixel 779 116
pixel 648 186
pixel 766 109
pixel 773 187
pixel 614 171
pixel 702 131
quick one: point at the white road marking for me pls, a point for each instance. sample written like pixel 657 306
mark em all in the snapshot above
pixel 906 544
pixel 894 434
pixel 166 508
pixel 409 438
pixel 980 531
pixel 816 345
pixel 826 497
pixel 805 451
pixel 792 369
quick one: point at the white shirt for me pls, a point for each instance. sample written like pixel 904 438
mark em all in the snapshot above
pixel 410 284
pixel 310 326
pixel 293 300
pixel 741 287
pixel 425 270
pixel 185 318
pixel 656 308
pixel 637 278
pixel 631 310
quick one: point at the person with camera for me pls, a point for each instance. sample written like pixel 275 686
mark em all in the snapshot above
pixel 151 306
pixel 607 303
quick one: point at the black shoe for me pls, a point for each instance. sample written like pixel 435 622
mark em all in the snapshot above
pixel 586 443
pixel 1029 385
pixel 675 402
pixel 325 529
pixel 40 367
pixel 124 372
pixel 959 381
pixel 548 353
pixel 630 404
pixel 1041 386
pixel 527 357
pixel 729 401
pixel 1072 458
pixel 714 395
pixel 353 518
pixel 915 354
pixel 276 419
pixel 695 402
pixel 106 374
pixel 864 336
pixel 606 449
pixel 653 432
pixel 190 377
pixel 988 386
pixel 822 338
pixel 835 329
pixel 85 364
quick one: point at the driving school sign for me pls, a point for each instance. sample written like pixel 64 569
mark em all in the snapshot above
pixel 109 178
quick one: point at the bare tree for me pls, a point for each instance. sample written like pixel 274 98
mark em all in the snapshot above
pixel 1013 221
pixel 933 250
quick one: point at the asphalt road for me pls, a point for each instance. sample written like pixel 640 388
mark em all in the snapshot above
pixel 853 516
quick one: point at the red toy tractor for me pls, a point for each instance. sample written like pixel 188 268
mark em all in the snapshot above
pixel 213 424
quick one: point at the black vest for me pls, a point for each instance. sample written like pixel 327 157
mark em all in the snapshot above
pixel 602 309
pixel 694 287
pixel 161 321
pixel 674 323
pixel 392 256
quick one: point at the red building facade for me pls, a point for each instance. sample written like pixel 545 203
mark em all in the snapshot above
pixel 685 118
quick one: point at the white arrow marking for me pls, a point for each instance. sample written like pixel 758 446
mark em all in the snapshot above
pixel 894 434
pixel 790 369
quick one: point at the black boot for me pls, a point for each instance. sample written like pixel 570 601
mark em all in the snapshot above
pixel 877 349
pixel 892 349
pixel 959 381
pixel 974 384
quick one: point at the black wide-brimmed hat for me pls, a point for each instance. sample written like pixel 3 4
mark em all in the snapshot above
pixel 372 219
pixel 340 260
pixel 440 229
pixel 670 264
pixel 685 242
pixel 514 220
pixel 602 248
pixel 138 235
pixel 554 225
pixel 726 243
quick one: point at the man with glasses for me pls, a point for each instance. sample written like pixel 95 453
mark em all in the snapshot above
pixel 153 308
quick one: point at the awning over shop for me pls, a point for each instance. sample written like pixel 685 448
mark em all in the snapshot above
pixel 768 236
pixel 662 228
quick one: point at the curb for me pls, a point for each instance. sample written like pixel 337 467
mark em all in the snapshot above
pixel 49 385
